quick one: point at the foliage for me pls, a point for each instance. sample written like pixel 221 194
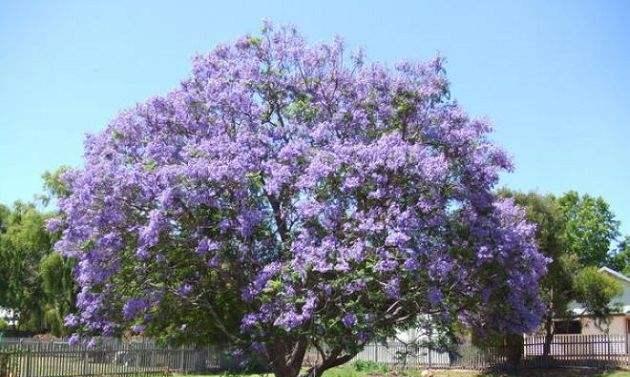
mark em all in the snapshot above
pixel 546 213
pixel 571 231
pixel 590 227
pixel 287 197
pixel 58 286
pixel 620 259
pixel 359 368
pixel 3 325
pixel 54 185
pixel 595 291
pixel 23 243
pixel 35 282
pixel 369 366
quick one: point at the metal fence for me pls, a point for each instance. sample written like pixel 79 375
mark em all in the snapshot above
pixel 111 357
pixel 610 350
pixel 578 350
pixel 60 359
pixel 399 355
pixel 403 355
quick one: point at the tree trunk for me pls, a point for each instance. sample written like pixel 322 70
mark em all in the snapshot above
pixel 514 350
pixel 319 369
pixel 549 333
pixel 286 356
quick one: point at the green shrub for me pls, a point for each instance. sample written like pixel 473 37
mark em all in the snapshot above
pixel 368 366
pixel 342 371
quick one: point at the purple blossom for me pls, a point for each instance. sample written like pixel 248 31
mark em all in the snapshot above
pixel 392 288
pixel 349 320
pixel 205 246
pixel 280 178
pixel 54 224
pixel 355 286
pixel 185 289
pixel 71 320
pixel 249 321
pixel 133 307
pixel 261 280
pixel 411 264
pixel 138 329
pixel 91 343
pixel 434 296
pixel 386 265
pixel 289 320
pixel 74 339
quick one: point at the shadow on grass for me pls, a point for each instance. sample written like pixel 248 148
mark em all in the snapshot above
pixel 558 372
pixel 362 369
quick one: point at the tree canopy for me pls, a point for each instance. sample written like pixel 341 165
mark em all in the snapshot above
pixel 288 196
pixel 590 229
pixel 619 260
pixel 574 232
pixel 36 283
pixel 31 274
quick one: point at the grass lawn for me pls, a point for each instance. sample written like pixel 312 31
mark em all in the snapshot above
pixel 464 373
pixel 539 373
pixel 351 371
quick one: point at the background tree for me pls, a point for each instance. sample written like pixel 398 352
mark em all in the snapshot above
pixel 56 271
pixel 595 290
pixel 620 259
pixel 54 186
pixel 5 266
pixel 59 290
pixel 571 277
pixel 23 244
pixel 287 197
pixel 557 284
pixel 590 227
pixel 35 282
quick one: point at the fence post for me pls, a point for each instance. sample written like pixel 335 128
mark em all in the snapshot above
pixel 626 348
pixel 85 360
pixel 181 360
pixel 376 352
pixel 28 361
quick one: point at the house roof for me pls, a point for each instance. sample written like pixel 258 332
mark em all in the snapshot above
pixel 621 303
pixel 614 273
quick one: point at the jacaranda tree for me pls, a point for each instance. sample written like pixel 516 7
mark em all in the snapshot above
pixel 289 197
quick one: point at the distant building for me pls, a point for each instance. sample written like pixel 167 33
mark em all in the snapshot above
pixel 8 316
pixel 617 323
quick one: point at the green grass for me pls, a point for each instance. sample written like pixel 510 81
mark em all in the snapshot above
pixel 369 369
pixel 537 373
pixel 358 369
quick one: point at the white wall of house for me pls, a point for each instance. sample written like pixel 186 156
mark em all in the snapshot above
pixel 617 325
pixel 623 300
pixel 7 315
pixel 620 304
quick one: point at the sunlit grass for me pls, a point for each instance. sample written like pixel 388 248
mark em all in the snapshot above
pixel 371 369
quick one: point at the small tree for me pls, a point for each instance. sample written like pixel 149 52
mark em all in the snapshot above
pixel 590 227
pixel 58 287
pixel 23 243
pixel 287 197
pixel 574 233
pixel 620 259
pixel 595 291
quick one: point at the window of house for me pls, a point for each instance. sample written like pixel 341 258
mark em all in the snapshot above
pixel 568 327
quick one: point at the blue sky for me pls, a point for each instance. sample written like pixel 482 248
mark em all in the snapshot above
pixel 553 76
